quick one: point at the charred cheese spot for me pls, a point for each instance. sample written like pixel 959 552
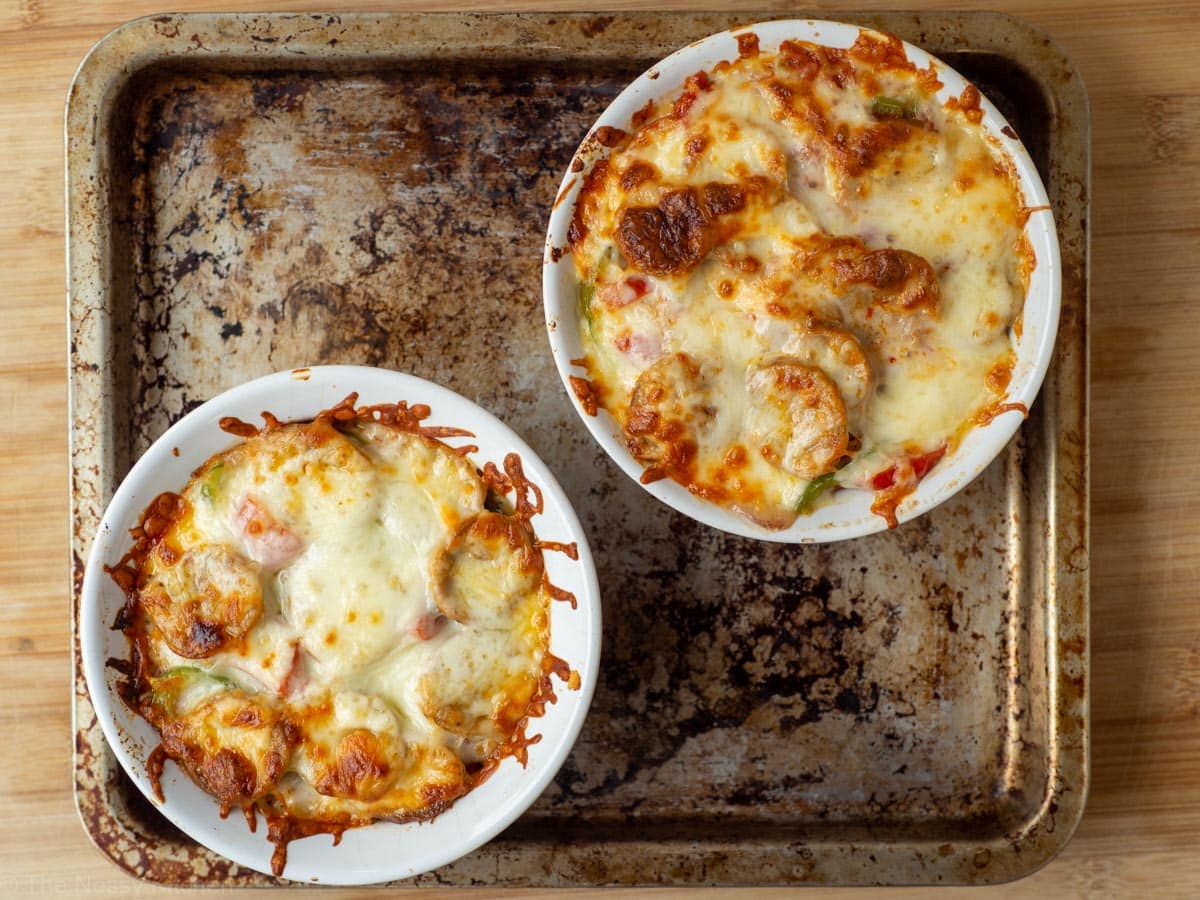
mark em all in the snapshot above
pixel 669 405
pixel 360 769
pixel 235 747
pixel 902 280
pixel 207 599
pixel 673 237
pixel 636 173
pixel 352 747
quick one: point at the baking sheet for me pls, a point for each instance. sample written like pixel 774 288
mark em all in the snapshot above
pixel 251 193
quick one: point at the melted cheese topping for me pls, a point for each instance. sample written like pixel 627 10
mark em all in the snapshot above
pixel 336 629
pixel 801 271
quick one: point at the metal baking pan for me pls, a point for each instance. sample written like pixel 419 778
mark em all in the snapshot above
pixel 249 193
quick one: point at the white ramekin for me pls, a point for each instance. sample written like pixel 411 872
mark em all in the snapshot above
pixel 848 514
pixel 381 851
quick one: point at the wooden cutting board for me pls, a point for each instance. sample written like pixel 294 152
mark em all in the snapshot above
pixel 1141 63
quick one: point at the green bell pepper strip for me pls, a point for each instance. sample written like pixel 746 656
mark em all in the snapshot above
pixel 813 490
pixel 891 108
pixel 209 487
pixel 160 695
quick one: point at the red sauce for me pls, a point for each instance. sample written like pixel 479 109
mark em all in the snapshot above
pixel 586 393
pixel 968 103
pixel 747 45
pixel 608 136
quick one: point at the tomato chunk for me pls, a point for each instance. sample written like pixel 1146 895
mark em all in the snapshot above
pixel 926 461
pixel 639 285
pixel 885 479
pixel 267 540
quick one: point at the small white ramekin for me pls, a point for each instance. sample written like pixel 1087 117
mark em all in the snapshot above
pixel 382 851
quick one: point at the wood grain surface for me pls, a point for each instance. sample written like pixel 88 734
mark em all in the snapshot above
pixel 1141 63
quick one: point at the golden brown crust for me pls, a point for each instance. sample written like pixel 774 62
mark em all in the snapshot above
pixel 587 394
pixel 747 45
pixel 205 599
pixel 505 544
pixel 663 412
pixel 804 417
pixel 233 746
pixel 361 769
pixel 813 203
pixel 900 279
pixel 968 103
pixel 673 237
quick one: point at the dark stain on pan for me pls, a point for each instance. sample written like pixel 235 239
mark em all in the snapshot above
pixel 393 214
pixel 357 218
pixel 279 91
pixel 595 26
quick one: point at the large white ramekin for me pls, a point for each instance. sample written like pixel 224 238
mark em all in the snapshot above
pixel 848 515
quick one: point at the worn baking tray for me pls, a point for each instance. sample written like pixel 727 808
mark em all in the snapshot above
pixel 249 193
